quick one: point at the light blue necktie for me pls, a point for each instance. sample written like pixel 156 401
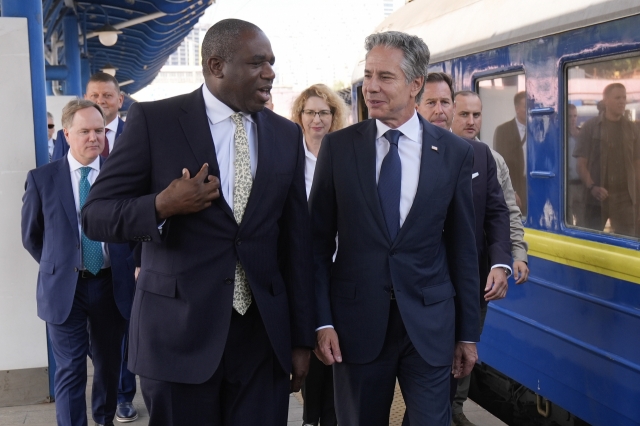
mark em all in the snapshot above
pixel 91 250
pixel 389 184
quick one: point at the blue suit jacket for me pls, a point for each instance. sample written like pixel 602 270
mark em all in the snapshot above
pixel 432 264
pixel 183 302
pixel 50 234
pixel 61 147
pixel 493 240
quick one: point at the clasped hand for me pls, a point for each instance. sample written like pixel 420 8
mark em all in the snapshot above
pixel 188 195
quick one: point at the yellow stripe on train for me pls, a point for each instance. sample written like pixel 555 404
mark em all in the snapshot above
pixel 600 258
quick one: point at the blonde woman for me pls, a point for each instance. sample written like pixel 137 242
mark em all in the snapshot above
pixel 318 110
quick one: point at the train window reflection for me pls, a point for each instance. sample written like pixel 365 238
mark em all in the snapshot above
pixel 504 120
pixel 603 146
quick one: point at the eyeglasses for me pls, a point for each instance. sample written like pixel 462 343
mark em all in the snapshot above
pixel 51 126
pixel 323 114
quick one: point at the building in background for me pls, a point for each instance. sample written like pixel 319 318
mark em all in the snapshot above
pixel 319 45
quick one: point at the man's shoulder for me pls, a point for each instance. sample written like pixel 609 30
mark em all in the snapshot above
pixel 504 126
pixel 353 130
pixel 44 172
pixel 168 104
pixel 278 121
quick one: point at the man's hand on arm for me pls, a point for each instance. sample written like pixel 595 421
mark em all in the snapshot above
pixel 497 284
pixel 300 367
pixel 464 358
pixel 327 346
pixel 187 195
pixel 520 271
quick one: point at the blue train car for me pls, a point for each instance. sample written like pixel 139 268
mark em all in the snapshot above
pixel 563 348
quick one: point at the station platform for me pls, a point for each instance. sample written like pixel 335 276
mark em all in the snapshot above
pixel 45 414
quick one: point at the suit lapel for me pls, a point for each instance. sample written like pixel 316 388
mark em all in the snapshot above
pixel 195 126
pixel 365 149
pixel 62 183
pixel 266 139
pixel 430 172
pixel 119 129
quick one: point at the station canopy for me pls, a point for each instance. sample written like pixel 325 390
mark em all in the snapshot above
pixel 151 30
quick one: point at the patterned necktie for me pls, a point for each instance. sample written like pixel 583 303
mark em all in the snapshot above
pixel 91 250
pixel 105 151
pixel 389 184
pixel 241 191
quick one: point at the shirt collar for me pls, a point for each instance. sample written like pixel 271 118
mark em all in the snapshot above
pixel 520 125
pixel 307 153
pixel 113 126
pixel 75 164
pixel 216 110
pixel 410 129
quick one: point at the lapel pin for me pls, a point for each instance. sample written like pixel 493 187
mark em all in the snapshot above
pixel 435 148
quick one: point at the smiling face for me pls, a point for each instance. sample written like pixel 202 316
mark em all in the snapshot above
pixel 437 106
pixel 107 96
pixel 86 135
pixel 316 126
pixel 244 82
pixel 467 119
pixel 387 94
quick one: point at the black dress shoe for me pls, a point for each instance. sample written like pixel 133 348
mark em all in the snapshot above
pixel 126 412
pixel 106 424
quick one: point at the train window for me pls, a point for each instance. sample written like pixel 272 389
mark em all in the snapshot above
pixel 504 119
pixel 603 146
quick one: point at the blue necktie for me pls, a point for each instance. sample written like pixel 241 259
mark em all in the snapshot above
pixel 91 250
pixel 389 184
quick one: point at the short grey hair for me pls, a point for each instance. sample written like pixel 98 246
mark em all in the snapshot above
pixel 49 115
pixel 70 109
pixel 415 51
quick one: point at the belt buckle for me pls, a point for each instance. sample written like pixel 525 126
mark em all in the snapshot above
pixel 86 274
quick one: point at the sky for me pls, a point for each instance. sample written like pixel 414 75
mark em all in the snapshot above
pixel 314 41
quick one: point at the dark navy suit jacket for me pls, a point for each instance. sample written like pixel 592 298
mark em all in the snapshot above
pixel 183 302
pixel 493 240
pixel 61 147
pixel 50 234
pixel 432 264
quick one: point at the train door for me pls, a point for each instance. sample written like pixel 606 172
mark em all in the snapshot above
pixel 504 126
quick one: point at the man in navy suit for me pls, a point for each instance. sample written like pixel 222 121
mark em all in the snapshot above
pixel 213 185
pixel 81 282
pixel 104 90
pixel 401 299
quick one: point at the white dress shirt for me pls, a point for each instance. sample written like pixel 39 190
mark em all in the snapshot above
pixel 222 130
pixel 410 151
pixel 309 167
pixel 111 134
pixel 76 175
pixel 50 143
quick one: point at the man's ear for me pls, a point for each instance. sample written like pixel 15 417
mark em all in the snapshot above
pixel 215 65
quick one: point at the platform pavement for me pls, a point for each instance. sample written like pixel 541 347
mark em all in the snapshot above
pixel 45 414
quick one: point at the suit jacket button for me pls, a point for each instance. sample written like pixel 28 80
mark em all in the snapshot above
pixel 393 253
pixel 75 269
pixel 228 281
pixel 238 241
